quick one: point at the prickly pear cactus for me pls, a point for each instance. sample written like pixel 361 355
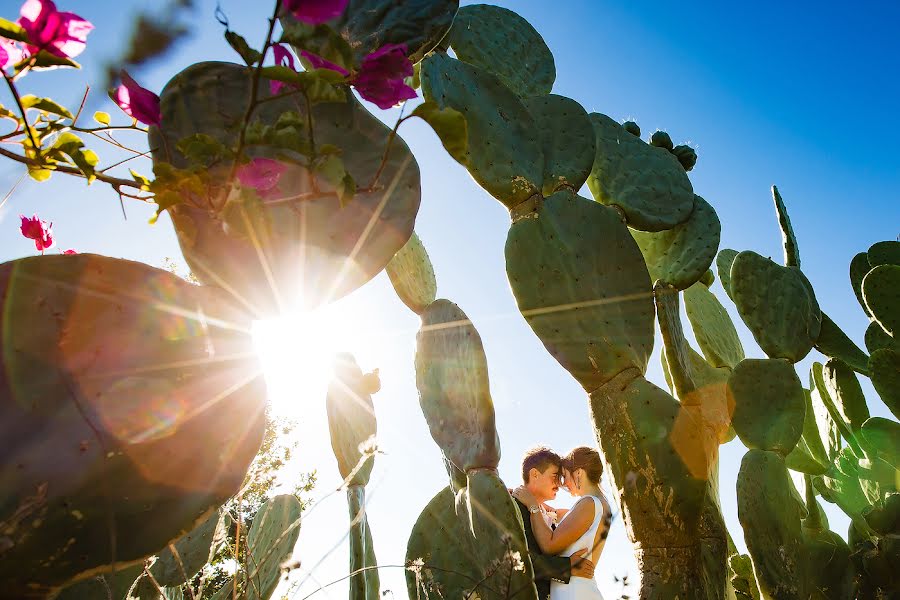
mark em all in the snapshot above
pixel 351 418
pixel 834 343
pixel 879 290
pixel 297 246
pixel 566 139
pixel 110 364
pixel 454 392
pixel 183 559
pixel 770 518
pixel 769 404
pixel 713 328
pixel 365 583
pixel 503 43
pixel 412 275
pixel 270 542
pixel 601 325
pixel 645 182
pixel 830 571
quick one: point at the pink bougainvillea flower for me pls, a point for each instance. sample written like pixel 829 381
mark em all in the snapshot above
pixel 262 174
pixel 70 251
pixel 39 231
pixel 380 78
pixel 315 12
pixel 284 59
pixel 60 33
pixel 137 102
pixel 10 53
pixel 317 62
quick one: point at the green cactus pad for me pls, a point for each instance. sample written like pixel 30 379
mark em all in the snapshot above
pixel 107 362
pixel 829 569
pixel 194 550
pixel 499 538
pixel 769 404
pixel 441 552
pixel 846 393
pixel 770 518
pixel 412 275
pixel 675 347
pixel 646 182
pixel 841 484
pixel 788 239
pixel 884 516
pixel 457 477
pixel 724 262
pixel 657 455
pixel 681 255
pixel 351 418
pixel 271 542
pixel 502 42
pixel 877 338
pixel 305 251
pixel 837 415
pixel 742 579
pixel 102 586
pixel 834 343
pixel 365 584
pixel 713 328
pixel 884 253
pixel 367 25
pixel 828 433
pixel 881 292
pixel 708 278
pixel 859 266
pixel 593 314
pixel 777 304
pixel 809 455
pixel 567 140
pixel 454 392
pixel 884 370
pixel 504 152
pixel 882 436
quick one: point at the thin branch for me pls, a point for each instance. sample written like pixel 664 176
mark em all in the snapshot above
pixel 15 93
pixel 87 90
pixel 31 162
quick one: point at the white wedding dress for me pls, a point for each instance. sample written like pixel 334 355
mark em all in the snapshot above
pixel 582 588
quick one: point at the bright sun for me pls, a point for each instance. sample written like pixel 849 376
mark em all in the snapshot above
pixel 297 351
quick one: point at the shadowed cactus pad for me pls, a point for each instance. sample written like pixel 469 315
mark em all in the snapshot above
pixel 412 275
pixel 593 314
pixel 194 549
pixel 835 343
pixel 846 393
pixel 769 404
pixel 121 370
pixel 884 369
pixel 777 304
pixel 504 152
pixel 270 542
pixel 881 292
pixel 724 261
pixel 280 251
pixel 367 25
pixel 646 182
pixel 713 328
pixel 351 418
pixel 884 253
pixel 454 392
pixel 566 138
pixel 859 266
pixel 365 584
pixel 498 40
pixel 681 255
pixel 770 517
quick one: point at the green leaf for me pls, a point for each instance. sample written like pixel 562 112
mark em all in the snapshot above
pixel 5 113
pixel 281 73
pixel 45 60
pixel 333 171
pixel 138 178
pixel 39 173
pixel 202 149
pixel 321 40
pixel 240 45
pixel 12 31
pixel 72 146
pixel 46 105
pixel 449 125
pixel 101 117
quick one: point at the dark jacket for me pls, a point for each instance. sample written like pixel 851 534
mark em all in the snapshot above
pixel 546 566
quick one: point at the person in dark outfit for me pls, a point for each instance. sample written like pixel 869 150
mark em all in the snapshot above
pixel 541 475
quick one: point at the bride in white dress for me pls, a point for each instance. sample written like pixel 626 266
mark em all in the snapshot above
pixel 583 527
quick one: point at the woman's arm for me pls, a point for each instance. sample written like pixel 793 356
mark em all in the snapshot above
pixel 554 541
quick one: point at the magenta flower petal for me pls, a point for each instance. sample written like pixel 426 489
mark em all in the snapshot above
pixel 284 59
pixel 315 12
pixel 70 251
pixel 60 33
pixel 10 53
pixel 40 231
pixel 137 102
pixel 317 62
pixel 381 76
pixel 261 174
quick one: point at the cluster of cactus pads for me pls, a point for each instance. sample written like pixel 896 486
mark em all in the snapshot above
pixel 128 392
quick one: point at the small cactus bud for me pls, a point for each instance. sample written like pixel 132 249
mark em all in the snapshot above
pixel 661 139
pixel 686 156
pixel 632 128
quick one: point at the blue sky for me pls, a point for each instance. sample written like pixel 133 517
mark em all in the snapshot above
pixel 801 95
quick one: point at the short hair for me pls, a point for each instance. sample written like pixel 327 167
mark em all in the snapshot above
pixel 540 458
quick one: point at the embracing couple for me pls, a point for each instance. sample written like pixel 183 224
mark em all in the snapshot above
pixel 564 544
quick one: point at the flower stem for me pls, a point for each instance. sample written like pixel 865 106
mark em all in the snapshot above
pixel 15 93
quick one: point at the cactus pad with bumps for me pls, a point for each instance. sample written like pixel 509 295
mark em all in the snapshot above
pixel 567 140
pixel 412 275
